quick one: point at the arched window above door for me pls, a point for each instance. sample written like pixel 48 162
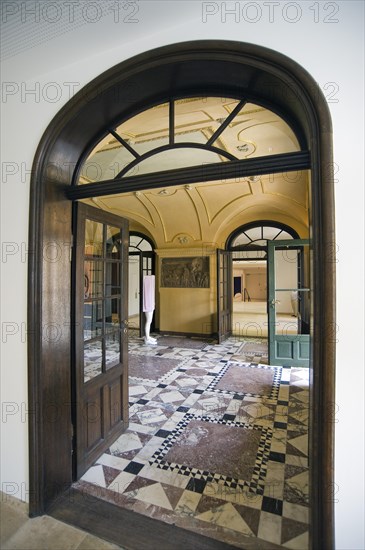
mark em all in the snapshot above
pixel 187 132
pixel 250 241
pixel 139 243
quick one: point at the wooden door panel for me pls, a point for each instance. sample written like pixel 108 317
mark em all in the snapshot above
pixel 93 419
pixel 115 401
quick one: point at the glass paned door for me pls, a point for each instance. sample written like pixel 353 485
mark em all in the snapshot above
pixel 100 332
pixel 289 302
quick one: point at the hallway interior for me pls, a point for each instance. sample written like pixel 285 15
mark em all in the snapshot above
pixel 217 442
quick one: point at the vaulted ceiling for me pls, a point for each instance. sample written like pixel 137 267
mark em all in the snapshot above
pixel 192 215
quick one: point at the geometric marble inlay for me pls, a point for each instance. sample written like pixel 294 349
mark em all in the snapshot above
pixel 190 450
pixel 197 444
pixel 217 443
pixel 152 368
pixel 249 380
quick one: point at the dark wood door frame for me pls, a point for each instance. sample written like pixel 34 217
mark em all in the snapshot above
pixel 197 68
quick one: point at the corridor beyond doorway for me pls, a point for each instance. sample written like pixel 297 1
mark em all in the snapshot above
pixel 217 443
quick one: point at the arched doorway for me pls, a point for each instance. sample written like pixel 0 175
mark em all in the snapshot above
pixel 182 70
pixel 248 247
pixel 141 262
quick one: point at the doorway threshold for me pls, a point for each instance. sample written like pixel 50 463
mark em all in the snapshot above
pixel 130 530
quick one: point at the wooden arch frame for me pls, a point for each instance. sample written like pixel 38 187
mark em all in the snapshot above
pixel 233 69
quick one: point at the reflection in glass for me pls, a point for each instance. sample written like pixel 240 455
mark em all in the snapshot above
pixel 286 268
pixel 198 136
pixel 93 279
pixel 176 158
pixel 105 161
pixel 93 359
pixel 93 319
pixel 112 350
pixel 93 238
pixel 112 278
pixel 202 116
pixel 136 242
pixel 286 312
pixel 143 130
pixel 255 233
pixel 292 312
pixel 112 314
pixel 195 120
pixel 274 233
pixel 113 242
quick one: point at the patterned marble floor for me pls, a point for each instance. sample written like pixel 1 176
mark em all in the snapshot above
pixel 217 442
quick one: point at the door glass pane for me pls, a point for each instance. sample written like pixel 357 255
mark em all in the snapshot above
pixel 142 130
pixel 112 349
pixel 93 238
pixel 105 161
pixel 176 158
pixel 202 115
pixel 286 269
pixel 271 233
pixel 113 242
pixel 112 278
pixel 255 233
pixel 112 314
pixel 93 358
pixel 93 319
pixel 292 312
pixel 292 296
pixel 93 283
pixel 286 313
pixel 241 240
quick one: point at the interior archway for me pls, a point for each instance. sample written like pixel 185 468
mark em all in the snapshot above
pixel 187 69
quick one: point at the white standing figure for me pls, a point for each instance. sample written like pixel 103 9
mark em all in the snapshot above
pixel 148 306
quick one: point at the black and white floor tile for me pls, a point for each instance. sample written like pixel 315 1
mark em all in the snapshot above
pixel 217 443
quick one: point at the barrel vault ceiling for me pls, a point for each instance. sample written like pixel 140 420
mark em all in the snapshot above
pixel 201 213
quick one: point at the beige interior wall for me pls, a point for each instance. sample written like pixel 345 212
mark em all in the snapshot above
pixel 286 275
pixel 253 279
pixel 256 285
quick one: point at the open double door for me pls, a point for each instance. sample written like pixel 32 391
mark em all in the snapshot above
pixel 288 300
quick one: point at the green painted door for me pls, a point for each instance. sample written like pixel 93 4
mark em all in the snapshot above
pixel 289 304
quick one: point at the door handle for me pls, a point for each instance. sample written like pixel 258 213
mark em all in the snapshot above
pixel 273 302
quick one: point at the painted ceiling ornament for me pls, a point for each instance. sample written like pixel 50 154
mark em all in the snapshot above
pixel 246 147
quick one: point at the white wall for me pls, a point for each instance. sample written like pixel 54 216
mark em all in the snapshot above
pixel 55 58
